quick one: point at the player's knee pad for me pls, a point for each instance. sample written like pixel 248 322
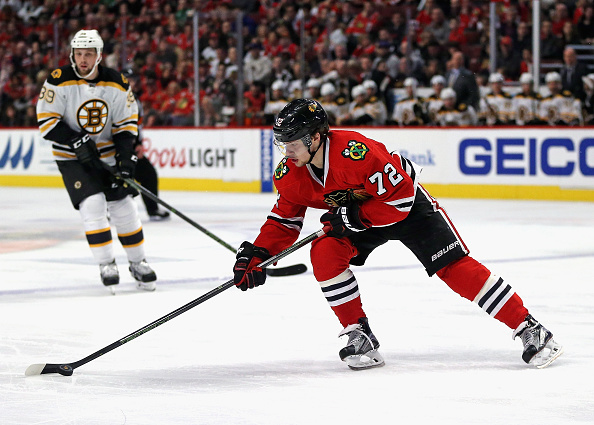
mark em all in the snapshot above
pixel 330 257
pixel 94 208
pixel 124 212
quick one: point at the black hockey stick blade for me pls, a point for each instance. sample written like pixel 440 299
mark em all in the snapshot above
pixel 287 271
pixel 66 369
pixel 277 271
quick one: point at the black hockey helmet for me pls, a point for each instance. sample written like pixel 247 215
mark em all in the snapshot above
pixel 298 119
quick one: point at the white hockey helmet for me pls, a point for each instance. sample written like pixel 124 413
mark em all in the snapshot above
pixel 278 85
pixel 438 79
pixel 370 84
pixel 526 78
pixel 447 93
pixel 327 88
pixel 86 39
pixel 411 82
pixel 313 82
pixel 553 76
pixel 358 90
pixel 496 77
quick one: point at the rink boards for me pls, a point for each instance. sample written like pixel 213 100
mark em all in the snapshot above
pixel 503 163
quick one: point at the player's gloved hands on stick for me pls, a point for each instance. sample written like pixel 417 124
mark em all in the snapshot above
pixel 245 273
pixel 343 221
pixel 126 164
pixel 85 150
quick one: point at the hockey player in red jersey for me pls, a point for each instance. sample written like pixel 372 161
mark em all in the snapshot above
pixel 372 196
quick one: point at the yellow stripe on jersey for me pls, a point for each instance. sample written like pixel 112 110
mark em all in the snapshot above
pixel 131 128
pixel 133 117
pixel 43 115
pixel 63 154
pixel 51 123
pixel 111 84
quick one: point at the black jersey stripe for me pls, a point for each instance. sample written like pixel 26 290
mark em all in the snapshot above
pixel 133 239
pixel 339 285
pixel 490 292
pixel 286 221
pixel 498 299
pixel 342 295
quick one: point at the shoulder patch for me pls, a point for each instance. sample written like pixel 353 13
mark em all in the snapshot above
pixel 281 170
pixel 462 107
pixel 56 73
pixel 355 151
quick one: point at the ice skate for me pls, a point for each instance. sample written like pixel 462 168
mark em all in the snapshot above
pixel 361 351
pixel 109 275
pixel 540 349
pixel 159 215
pixel 144 275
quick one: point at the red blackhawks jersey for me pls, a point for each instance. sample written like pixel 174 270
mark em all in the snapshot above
pixel 356 168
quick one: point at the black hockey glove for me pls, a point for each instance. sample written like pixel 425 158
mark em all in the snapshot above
pixel 245 273
pixel 343 221
pixel 85 150
pixel 126 164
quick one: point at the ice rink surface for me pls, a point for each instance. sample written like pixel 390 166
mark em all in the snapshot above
pixel 270 356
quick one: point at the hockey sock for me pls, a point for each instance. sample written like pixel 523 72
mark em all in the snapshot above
pixel 93 211
pixel 473 281
pixel 124 216
pixel 330 260
pixel 342 294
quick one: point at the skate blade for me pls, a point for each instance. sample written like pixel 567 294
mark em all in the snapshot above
pixel 547 355
pixel 368 360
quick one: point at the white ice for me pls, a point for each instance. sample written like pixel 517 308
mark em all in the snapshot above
pixel 270 356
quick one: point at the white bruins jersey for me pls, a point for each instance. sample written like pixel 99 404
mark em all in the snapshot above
pixel 432 106
pixel 273 107
pixel 526 107
pixel 104 108
pixel 461 116
pixel 496 108
pixel 408 111
pixel 561 108
pixel 377 110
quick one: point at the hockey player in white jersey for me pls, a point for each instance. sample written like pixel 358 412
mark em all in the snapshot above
pixel 526 104
pixel 89 114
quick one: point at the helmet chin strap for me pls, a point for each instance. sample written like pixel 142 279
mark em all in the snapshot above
pixel 312 154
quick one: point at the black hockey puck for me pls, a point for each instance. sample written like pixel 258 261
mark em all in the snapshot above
pixel 65 369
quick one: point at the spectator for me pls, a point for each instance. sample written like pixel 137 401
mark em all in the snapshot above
pixel 277 101
pixel 439 26
pixel 523 37
pixel 496 106
pixel 375 106
pixel 550 45
pixel 585 26
pixel 560 107
pixel 254 101
pixel 572 73
pixel 455 114
pixel 433 102
pixel 509 59
pixel 462 81
pixel 256 66
pixel 409 110
pixel 526 104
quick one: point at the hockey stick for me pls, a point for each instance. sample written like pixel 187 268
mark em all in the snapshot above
pixel 66 369
pixel 277 271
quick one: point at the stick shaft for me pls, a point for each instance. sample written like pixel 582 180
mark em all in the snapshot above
pixel 192 303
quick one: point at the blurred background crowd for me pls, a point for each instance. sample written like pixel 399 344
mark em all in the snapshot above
pixel 374 62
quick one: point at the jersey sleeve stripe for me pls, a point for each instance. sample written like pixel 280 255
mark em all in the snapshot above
pixel 131 118
pixel 45 127
pixel 295 223
pixel 131 128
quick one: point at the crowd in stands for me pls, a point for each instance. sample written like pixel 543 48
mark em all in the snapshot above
pixel 369 62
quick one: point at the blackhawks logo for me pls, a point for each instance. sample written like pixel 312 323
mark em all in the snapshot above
pixel 355 151
pixel 281 169
pixel 342 198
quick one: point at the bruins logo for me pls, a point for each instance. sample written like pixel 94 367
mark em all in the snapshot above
pixel 281 169
pixel 355 151
pixel 56 73
pixel 92 115
pixel 342 198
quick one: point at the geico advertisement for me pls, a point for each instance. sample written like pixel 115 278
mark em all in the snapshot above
pixel 25 152
pixel 552 157
pixel 231 155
